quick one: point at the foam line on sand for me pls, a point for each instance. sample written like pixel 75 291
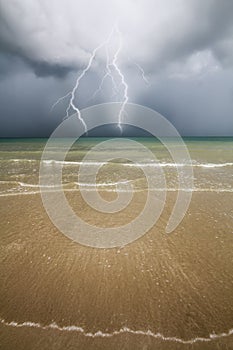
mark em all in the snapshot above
pixel 100 334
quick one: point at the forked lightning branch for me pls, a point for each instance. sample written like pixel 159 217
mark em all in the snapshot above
pixel 112 71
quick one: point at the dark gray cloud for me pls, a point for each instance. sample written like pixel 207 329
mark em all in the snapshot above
pixel 43 69
pixel 184 47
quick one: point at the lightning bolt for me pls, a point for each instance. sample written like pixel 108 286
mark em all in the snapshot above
pixel 59 100
pixel 108 74
pixel 141 70
pixel 71 105
pixel 142 73
pixel 122 79
pixel 111 67
pixel 112 71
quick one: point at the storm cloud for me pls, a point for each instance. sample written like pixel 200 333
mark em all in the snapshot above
pixel 185 48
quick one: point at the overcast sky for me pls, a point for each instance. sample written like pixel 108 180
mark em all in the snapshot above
pixel 185 48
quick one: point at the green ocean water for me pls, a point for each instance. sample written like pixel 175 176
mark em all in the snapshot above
pixel 212 162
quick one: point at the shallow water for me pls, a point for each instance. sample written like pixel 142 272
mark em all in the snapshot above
pixel 162 291
pixel 212 162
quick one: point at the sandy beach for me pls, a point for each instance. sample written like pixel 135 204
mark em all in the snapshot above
pixel 162 291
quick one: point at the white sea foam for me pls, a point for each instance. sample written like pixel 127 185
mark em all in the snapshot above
pixel 102 184
pixel 24 184
pixel 23 160
pixel 91 188
pixel 102 334
pixel 139 164
pixel 214 165
pixel 164 165
pixel 64 162
pixel 149 164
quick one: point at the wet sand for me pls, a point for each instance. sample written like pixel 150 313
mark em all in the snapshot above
pixel 160 292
